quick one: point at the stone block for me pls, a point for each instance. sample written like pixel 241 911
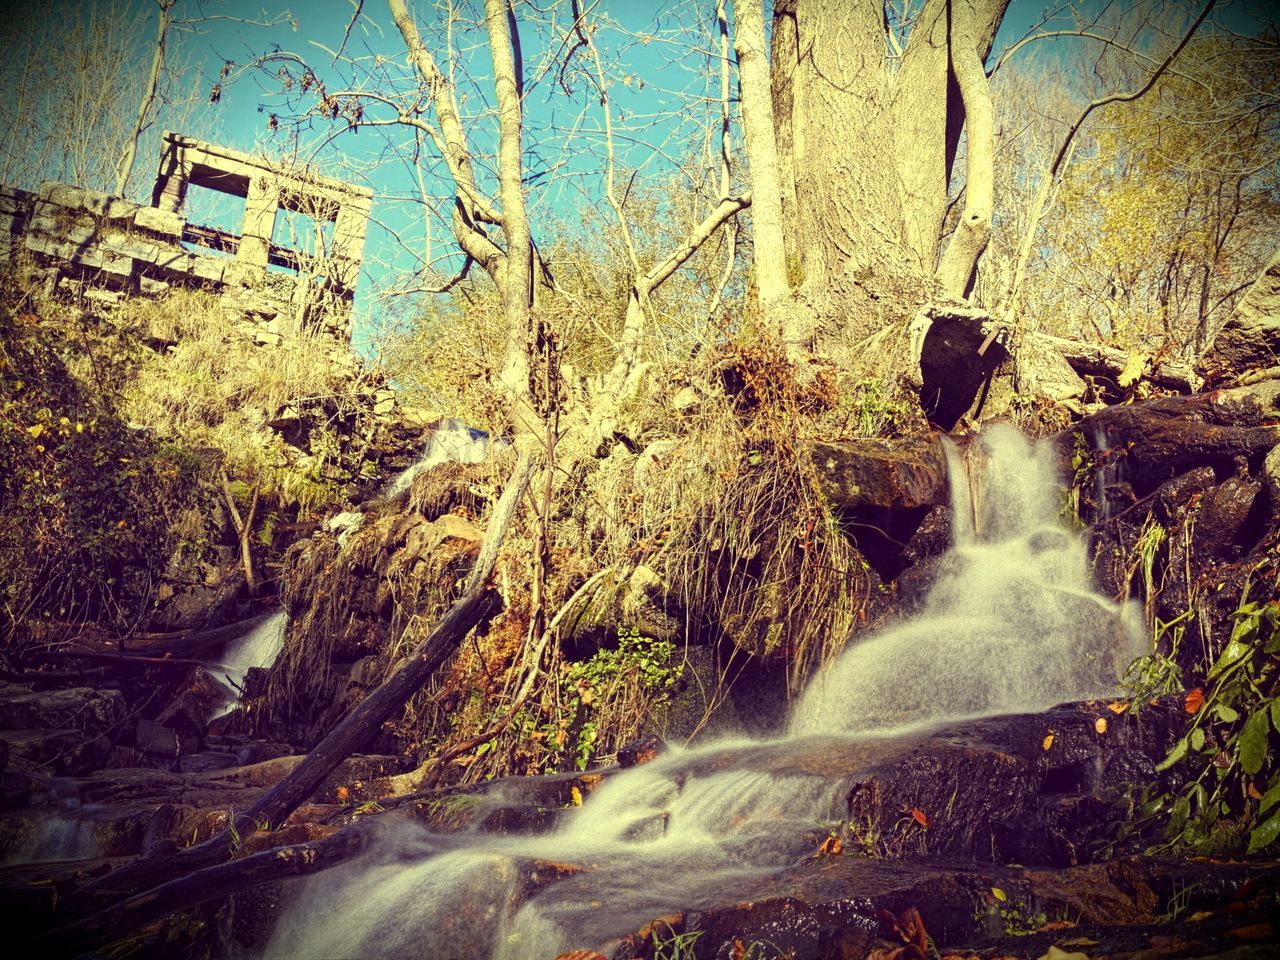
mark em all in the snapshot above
pixel 174 261
pixel 208 268
pixel 153 287
pixel 125 245
pixel 82 198
pixel 266 338
pixel 159 221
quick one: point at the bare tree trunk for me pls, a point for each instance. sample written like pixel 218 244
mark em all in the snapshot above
pixel 244 532
pixel 517 274
pixel 762 157
pixel 974 229
pixel 870 151
pixel 124 169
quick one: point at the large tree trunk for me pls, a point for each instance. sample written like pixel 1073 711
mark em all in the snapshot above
pixel 762 156
pixel 869 150
pixel 516 278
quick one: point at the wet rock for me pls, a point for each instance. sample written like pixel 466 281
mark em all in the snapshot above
pixel 641 751
pixel 996 789
pixel 1156 440
pixel 1229 525
pixel 871 473
pixel 84 709
pixel 1271 476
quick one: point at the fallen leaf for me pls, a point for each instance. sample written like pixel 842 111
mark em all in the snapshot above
pixel 1048 741
pixel 1254 792
pixel 575 796
pixel 1118 707
pixel 920 817
pixel 830 847
pixel 1100 725
pixel 999 894
pixel 1194 700
pixel 344 794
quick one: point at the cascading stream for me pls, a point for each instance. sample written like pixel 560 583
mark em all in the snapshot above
pixel 1011 624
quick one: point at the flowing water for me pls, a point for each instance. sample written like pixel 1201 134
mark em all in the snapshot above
pixel 1011 624
pixel 256 648
pixel 450 440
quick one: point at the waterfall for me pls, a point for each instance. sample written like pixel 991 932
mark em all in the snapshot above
pixel 450 440
pixel 256 648
pixel 1010 624
pixel 62 833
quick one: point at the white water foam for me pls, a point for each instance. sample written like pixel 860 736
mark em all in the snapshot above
pixel 450 440
pixel 256 648
pixel 1010 624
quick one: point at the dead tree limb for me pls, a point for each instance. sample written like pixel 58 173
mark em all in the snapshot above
pixel 348 736
pixel 207 884
pixel 1095 359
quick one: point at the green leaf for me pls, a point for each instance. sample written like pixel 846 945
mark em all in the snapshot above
pixel 1253 742
pixel 1226 714
pixel 1178 817
pixel 1234 651
pixel 1275 713
pixel 1269 799
pixel 1265 835
pixel 1197 739
pixel 1177 753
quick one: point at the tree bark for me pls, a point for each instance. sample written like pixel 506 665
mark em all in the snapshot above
pixel 762 158
pixel 516 281
pixel 972 233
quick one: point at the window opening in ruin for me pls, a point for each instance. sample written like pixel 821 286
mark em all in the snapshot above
pixel 303 234
pixel 214 221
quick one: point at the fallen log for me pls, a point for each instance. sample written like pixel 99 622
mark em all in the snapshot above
pixel 205 885
pixel 150 873
pixel 1093 359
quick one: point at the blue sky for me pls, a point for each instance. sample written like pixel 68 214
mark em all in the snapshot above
pixel 662 55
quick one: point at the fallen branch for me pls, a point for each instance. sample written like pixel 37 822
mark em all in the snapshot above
pixel 1096 360
pixel 348 736
pixel 209 883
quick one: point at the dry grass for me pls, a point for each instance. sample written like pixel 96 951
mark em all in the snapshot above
pixel 724 504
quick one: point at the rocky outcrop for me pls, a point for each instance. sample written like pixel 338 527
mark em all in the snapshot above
pixel 877 473
pixel 1248 344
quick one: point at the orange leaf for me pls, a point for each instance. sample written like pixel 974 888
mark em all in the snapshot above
pixel 1254 791
pixel 1118 707
pixel 344 794
pixel 1194 701
pixel 1100 725
pixel 920 817
pixel 1048 741
pixel 830 847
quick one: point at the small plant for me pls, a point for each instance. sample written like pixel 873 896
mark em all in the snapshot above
pixel 1232 791
pixel 1016 917
pixel 675 946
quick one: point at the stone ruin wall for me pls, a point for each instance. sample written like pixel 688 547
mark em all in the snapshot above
pixel 106 248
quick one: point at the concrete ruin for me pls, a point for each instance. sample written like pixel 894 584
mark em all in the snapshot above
pixel 82 237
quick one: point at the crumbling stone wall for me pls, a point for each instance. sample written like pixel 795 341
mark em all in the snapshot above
pixel 111 247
